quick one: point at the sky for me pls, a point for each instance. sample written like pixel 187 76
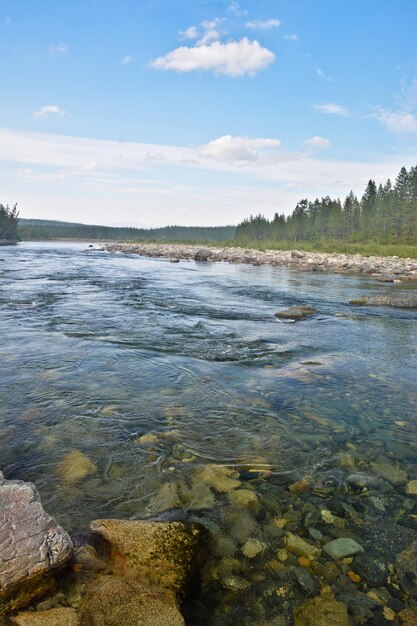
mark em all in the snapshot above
pixel 201 112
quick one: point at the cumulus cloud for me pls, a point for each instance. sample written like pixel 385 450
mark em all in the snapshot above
pixel 293 37
pixel 263 24
pixel 396 121
pixel 211 31
pixel 61 48
pixel 234 58
pixel 317 142
pixel 240 150
pixel 190 33
pixel 48 111
pixel 332 109
pixel 236 9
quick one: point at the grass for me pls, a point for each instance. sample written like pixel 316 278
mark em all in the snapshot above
pixel 369 248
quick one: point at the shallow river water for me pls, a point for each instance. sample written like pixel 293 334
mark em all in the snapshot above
pixel 99 349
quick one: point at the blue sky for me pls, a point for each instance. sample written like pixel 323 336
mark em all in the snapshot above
pixel 201 111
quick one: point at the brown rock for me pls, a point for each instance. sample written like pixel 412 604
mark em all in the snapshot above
pixel 160 554
pixel 115 601
pixel 61 616
pixel 322 611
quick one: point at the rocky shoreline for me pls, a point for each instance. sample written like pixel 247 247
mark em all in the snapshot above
pixel 386 269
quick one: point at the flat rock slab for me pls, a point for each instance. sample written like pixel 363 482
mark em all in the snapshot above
pixel 296 312
pixel 31 545
pixel 400 300
pixel 342 547
pixel 61 616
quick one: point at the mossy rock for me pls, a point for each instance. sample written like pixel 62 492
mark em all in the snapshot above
pixel 161 554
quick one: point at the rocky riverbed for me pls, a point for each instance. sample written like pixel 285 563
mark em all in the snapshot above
pixel 386 269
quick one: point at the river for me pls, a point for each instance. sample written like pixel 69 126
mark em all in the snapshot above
pixel 99 349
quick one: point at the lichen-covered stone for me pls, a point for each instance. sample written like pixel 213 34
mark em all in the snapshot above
pixel 60 616
pixel 31 545
pixel 115 601
pixel 161 554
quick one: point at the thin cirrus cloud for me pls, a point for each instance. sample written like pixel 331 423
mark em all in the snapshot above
pixel 398 122
pixel 61 48
pixel 234 58
pixel 332 109
pixel 49 110
pixel 292 37
pixel 128 59
pixel 263 24
pixel 317 142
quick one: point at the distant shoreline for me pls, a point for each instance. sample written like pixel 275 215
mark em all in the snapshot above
pixel 386 269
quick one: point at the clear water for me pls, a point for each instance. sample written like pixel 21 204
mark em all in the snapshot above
pixel 98 349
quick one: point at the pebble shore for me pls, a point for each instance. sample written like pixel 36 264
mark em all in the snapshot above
pixel 387 269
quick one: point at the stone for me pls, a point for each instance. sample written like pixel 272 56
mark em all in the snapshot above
pixel 75 466
pixel 149 440
pixel 219 477
pixel 32 545
pixel 401 300
pixel 406 569
pixel 324 610
pixel 342 548
pixel 296 312
pixel 245 499
pixel 252 548
pixel 60 616
pixel 389 472
pixel 160 554
pixel 203 254
pixel 115 601
pixel 372 570
pixel 300 547
pixel 411 488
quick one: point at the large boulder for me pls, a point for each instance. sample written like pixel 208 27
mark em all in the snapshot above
pixel 32 545
pixel 113 601
pixel 160 554
pixel 203 254
pixel 401 300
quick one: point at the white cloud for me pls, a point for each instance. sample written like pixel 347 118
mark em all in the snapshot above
pixel 236 9
pixel 190 33
pixel 320 72
pixel 211 31
pixel 332 109
pixel 128 59
pixel 48 110
pixel 234 58
pixel 293 37
pixel 263 24
pixel 317 142
pixel 61 48
pixel 396 121
pixel 240 150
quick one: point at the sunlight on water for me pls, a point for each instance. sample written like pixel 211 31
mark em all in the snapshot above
pixel 160 373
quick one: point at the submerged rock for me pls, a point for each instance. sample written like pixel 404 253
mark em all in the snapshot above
pixel 322 611
pixel 401 300
pixel 406 569
pixel 32 545
pixel 75 466
pixel 115 601
pixel 372 570
pixel 296 312
pixel 389 472
pixel 219 477
pixel 160 554
pixel 342 547
pixel 299 547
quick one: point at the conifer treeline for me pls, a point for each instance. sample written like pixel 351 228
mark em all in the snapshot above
pixel 9 222
pixel 387 213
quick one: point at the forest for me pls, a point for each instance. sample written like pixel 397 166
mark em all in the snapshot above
pixel 48 229
pixel 9 223
pixel 385 213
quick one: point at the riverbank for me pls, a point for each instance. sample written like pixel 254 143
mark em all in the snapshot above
pixel 387 269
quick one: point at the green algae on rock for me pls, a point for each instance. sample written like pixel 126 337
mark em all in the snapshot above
pixel 324 610
pixel 75 466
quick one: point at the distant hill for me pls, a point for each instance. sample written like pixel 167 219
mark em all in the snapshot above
pixel 32 229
